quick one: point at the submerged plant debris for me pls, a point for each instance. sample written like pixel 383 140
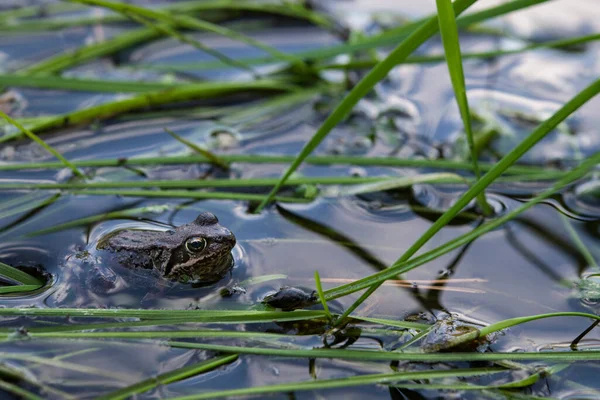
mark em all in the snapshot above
pixel 213 199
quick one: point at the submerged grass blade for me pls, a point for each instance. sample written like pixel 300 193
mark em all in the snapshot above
pixel 130 213
pixel 169 377
pixel 379 72
pixel 451 42
pixel 216 160
pixel 45 145
pixel 188 22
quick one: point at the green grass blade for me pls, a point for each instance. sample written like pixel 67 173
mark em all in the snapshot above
pixel 16 275
pixel 507 323
pixel 152 99
pixel 371 355
pixel 346 382
pixel 379 72
pixel 216 160
pixel 451 42
pixel 71 58
pixel 321 295
pixel 190 23
pixel 585 252
pixel 45 145
pixel 235 316
pixel 18 289
pixel 169 377
pixel 122 214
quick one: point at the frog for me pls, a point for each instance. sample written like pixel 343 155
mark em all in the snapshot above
pixel 196 252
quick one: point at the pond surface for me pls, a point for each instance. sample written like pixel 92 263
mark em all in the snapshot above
pixel 528 266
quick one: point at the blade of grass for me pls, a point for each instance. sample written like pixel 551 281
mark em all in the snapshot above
pixel 371 355
pixel 542 130
pixel 18 289
pixel 188 22
pixel 451 42
pixel 167 30
pixel 18 276
pixel 321 296
pixel 169 377
pixel 121 214
pixel 71 58
pixel 184 194
pixel 403 50
pixel 346 382
pixel 400 267
pixel 587 255
pixel 152 99
pixel 271 159
pixel 507 323
pixel 216 160
pixel 240 316
pixel 45 145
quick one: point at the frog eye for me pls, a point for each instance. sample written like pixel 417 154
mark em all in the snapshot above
pixel 195 244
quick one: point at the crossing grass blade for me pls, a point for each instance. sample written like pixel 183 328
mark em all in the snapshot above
pixel 169 377
pixel 403 266
pixel 540 132
pixel 380 71
pixel 45 145
pixel 450 40
pixel 346 382
pixel 216 160
pixel 188 22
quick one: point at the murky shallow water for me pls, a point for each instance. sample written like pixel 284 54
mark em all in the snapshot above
pixel 521 269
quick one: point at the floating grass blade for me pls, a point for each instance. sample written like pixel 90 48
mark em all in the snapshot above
pixel 130 213
pixel 190 23
pixel 152 99
pixel 19 289
pixel 169 377
pixel 371 355
pixel 400 53
pixel 18 276
pixel 203 152
pixel 169 31
pixel 346 382
pixel 69 59
pixel 400 267
pixel 450 40
pixel 270 159
pixel 45 145
pixel 185 194
pixel 236 316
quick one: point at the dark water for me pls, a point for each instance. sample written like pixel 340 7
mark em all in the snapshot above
pixel 523 268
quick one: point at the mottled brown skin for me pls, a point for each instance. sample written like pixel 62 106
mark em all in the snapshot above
pixel 170 253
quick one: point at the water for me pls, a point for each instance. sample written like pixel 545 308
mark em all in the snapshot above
pixel 529 266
